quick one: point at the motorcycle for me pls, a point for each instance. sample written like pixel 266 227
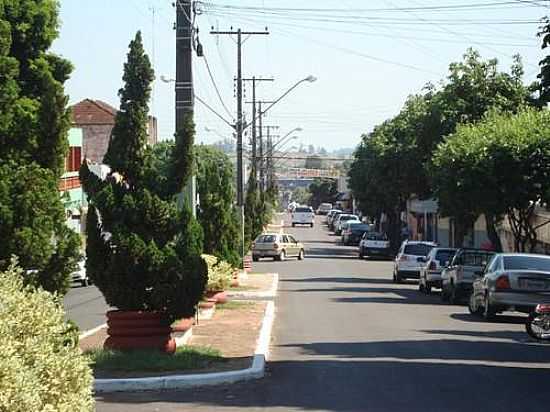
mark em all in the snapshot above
pixel 538 323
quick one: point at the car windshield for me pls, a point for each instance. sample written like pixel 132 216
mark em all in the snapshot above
pixel 267 239
pixel 527 263
pixel 417 249
pixel 443 256
pixel 377 236
pixel 302 210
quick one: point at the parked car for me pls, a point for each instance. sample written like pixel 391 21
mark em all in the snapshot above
pixel 80 275
pixel 343 217
pixel 324 208
pixel 511 281
pixel 430 273
pixel 303 215
pixel 374 244
pixel 352 232
pixel 457 278
pixel 278 246
pixel 407 264
pixel 331 214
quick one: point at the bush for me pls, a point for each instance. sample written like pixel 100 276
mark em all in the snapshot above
pixel 41 366
pixel 220 273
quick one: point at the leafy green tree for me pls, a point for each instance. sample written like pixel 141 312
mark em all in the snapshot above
pixel 499 166
pixel 34 121
pixel 301 195
pixel 143 252
pixel 254 210
pixel 216 213
pixel 544 75
pixel 323 190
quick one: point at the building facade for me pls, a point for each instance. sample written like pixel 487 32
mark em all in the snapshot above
pixel 69 185
pixel 97 119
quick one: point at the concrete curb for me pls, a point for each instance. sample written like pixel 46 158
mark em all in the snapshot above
pixel 183 339
pixel 255 371
pixel 90 332
pixel 256 295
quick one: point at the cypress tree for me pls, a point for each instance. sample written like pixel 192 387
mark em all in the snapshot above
pixel 34 121
pixel 143 251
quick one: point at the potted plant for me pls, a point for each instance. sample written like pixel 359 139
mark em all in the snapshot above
pixel 220 275
pixel 143 251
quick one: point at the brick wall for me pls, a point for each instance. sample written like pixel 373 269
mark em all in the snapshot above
pixel 95 141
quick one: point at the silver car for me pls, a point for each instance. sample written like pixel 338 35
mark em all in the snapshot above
pixel 430 273
pixel 511 281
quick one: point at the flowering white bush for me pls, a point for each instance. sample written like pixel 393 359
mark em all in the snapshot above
pixel 220 273
pixel 41 366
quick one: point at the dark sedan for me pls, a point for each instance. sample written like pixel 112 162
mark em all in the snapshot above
pixel 354 232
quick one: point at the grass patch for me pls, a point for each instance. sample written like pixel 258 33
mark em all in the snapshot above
pixel 234 305
pixel 186 357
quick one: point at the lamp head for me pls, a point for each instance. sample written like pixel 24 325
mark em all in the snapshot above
pixel 310 78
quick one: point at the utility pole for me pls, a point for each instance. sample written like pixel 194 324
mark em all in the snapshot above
pixel 266 156
pixel 240 126
pixel 184 80
pixel 255 79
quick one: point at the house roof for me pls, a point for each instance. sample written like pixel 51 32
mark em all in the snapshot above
pixel 90 111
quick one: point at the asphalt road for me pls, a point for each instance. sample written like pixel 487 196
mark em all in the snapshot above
pixel 85 306
pixel 347 339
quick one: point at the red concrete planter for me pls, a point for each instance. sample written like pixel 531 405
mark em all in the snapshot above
pixel 220 296
pixel 130 330
pixel 207 303
pixel 183 324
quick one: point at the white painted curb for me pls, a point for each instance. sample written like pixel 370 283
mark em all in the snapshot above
pixel 183 339
pixel 256 295
pixel 255 371
pixel 91 331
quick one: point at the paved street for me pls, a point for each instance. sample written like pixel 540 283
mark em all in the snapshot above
pixel 347 339
pixel 85 306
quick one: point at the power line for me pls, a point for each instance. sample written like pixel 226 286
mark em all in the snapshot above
pixel 216 87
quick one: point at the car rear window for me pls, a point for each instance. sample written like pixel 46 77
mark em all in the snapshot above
pixel 302 210
pixel 360 227
pixel 267 239
pixel 526 263
pixel 376 236
pixel 418 249
pixel 443 256
pixel 349 217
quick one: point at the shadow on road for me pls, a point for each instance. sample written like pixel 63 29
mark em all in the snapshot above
pixel 358 385
pixel 495 334
pixel 466 317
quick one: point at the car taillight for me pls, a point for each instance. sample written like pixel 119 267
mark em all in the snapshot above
pixel 275 246
pixel 433 265
pixel 543 308
pixel 503 282
pixel 403 258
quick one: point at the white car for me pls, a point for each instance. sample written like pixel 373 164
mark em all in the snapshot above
pixel 80 275
pixel 410 259
pixel 303 215
pixel 344 217
pixel 374 244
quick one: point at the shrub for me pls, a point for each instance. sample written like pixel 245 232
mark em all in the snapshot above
pixel 220 273
pixel 143 252
pixel 41 366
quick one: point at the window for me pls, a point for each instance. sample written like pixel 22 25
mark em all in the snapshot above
pixel 284 239
pixel 417 249
pixel 375 236
pixel 302 210
pixel 475 258
pixel 443 256
pixel 291 239
pixel 527 263
pixel 267 239
pixel 73 159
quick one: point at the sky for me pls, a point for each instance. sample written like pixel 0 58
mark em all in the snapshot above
pixel 367 56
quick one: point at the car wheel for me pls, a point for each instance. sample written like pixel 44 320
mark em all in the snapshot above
pixel 301 255
pixel 361 255
pixel 84 282
pixel 255 258
pixel 444 294
pixel 312 225
pixel 427 289
pixel 489 311
pixel 282 256
pixel 421 287
pixel 454 295
pixel 398 277
pixel 294 225
pixel 473 307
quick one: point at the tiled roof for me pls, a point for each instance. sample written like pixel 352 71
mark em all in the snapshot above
pixel 90 111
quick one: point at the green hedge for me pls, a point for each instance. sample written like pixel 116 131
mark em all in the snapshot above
pixel 41 366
